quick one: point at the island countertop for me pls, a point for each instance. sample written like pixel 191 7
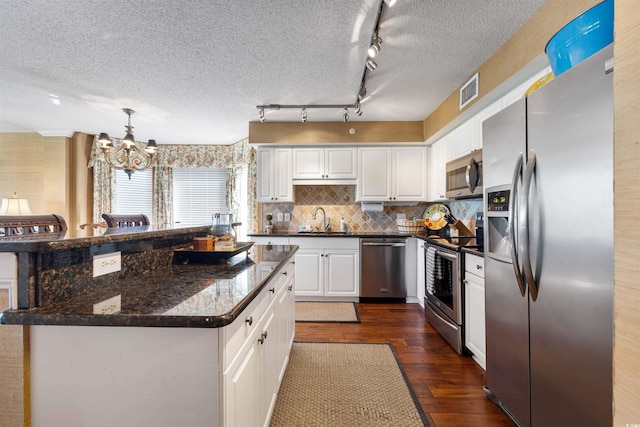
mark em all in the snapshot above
pixel 184 295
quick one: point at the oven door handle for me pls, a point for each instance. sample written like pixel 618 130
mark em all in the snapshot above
pixel 447 255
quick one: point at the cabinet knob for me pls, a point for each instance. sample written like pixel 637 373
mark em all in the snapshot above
pixel 285 273
pixel 478 266
pixel 272 290
pixel 249 320
pixel 465 281
pixel 263 337
pixel 290 288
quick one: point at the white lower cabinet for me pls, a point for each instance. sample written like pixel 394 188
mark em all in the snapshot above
pixel 474 323
pixel 327 267
pixel 420 272
pixel 252 378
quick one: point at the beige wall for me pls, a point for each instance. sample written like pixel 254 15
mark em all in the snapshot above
pixel 626 374
pixel 35 167
pixel 50 172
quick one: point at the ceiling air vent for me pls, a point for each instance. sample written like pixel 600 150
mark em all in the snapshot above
pixel 469 91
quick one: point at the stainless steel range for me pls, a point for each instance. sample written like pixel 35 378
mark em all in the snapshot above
pixel 444 264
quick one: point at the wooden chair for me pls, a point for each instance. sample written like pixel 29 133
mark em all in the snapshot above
pixel 125 220
pixel 32 224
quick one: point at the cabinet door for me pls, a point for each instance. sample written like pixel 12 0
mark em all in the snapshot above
pixel 269 341
pixel 283 183
pixel 475 317
pixel 341 272
pixel 374 174
pixel 409 174
pixel 244 389
pixel 437 171
pixel 461 138
pixel 308 163
pixel 420 271
pixel 341 163
pixel 479 119
pixel 309 274
pixel 266 166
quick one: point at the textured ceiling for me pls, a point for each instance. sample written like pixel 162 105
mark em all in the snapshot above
pixel 194 71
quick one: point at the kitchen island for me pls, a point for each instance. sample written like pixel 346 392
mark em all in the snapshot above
pixel 186 344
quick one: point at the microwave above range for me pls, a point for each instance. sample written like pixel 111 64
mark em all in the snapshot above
pixel 464 176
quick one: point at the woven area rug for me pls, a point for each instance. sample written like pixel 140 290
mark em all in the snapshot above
pixel 326 312
pixel 345 384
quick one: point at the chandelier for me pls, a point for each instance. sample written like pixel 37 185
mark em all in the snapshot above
pixel 127 156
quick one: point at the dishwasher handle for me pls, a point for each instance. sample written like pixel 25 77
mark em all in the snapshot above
pixel 394 245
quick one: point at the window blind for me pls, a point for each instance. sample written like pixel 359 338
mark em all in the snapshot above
pixel 198 193
pixel 133 196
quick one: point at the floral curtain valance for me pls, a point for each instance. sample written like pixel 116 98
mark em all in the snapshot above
pixel 204 156
pixel 190 156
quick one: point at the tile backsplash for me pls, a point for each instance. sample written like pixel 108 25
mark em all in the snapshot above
pixel 339 202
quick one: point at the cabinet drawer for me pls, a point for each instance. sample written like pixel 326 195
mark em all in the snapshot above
pixel 474 264
pixel 233 336
pixel 326 242
pixel 269 240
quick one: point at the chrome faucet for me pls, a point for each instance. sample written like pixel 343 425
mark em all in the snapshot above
pixel 324 217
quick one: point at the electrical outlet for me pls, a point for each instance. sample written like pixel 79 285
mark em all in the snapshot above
pixel 107 263
pixel 287 217
pixel 280 217
pixel 108 306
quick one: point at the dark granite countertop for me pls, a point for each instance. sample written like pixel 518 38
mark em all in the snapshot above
pixel 332 234
pixel 191 295
pixel 47 242
pixel 473 251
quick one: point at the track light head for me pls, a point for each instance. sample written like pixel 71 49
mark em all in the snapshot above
pixel 390 3
pixel 345 115
pixel 357 109
pixel 262 119
pixel 303 113
pixel 371 64
pixel 374 49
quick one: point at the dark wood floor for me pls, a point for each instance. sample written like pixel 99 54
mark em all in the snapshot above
pixel 448 386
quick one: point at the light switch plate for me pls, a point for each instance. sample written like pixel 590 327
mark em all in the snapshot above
pixel 287 216
pixel 280 217
pixel 107 263
pixel 108 306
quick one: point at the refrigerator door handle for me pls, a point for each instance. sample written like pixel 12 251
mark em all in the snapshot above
pixel 524 226
pixel 513 205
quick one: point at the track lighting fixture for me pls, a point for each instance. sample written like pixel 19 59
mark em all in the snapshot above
pixel 374 49
pixel 362 92
pixel 357 109
pixel 371 64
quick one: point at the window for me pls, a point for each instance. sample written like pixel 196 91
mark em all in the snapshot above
pixel 133 196
pixel 198 193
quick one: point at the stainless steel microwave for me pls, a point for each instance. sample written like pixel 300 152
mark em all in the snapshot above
pixel 464 176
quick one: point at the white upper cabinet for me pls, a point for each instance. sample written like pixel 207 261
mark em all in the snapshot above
pixel 392 174
pixel 478 120
pixel 275 183
pixel 437 172
pixel 409 174
pixel 320 163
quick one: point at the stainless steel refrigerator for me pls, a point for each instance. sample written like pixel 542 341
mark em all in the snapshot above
pixel 548 179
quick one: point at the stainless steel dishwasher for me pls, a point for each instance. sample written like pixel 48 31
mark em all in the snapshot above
pixel 382 268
